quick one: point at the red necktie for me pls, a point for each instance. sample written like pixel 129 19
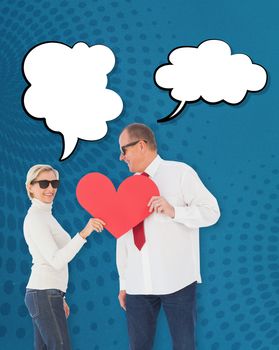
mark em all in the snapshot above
pixel 138 231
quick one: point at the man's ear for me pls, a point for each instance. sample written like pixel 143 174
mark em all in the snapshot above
pixel 142 145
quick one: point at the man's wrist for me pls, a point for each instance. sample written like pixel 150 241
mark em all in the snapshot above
pixel 172 212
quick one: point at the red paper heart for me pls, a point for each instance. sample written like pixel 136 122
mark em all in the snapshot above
pixel 121 210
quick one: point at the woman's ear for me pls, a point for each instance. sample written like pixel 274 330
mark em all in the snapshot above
pixel 29 188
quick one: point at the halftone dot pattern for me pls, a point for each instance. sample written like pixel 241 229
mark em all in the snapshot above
pixel 238 301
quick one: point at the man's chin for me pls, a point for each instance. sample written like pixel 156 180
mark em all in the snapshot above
pixel 131 169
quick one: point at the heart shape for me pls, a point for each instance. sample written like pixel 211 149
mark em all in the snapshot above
pixel 121 210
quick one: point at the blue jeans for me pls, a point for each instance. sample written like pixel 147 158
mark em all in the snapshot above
pixel 180 309
pixel 49 321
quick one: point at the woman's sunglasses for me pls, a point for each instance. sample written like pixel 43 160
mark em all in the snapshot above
pixel 45 183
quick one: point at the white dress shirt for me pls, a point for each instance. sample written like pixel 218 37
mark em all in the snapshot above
pixel 51 248
pixel 170 258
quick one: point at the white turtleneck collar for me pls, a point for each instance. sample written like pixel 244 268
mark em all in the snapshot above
pixel 41 205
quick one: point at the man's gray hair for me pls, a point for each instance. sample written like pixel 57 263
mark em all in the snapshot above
pixel 139 131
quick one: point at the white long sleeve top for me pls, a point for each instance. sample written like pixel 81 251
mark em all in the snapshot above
pixel 51 248
pixel 170 257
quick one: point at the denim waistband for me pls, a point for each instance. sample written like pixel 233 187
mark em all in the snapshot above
pixel 48 291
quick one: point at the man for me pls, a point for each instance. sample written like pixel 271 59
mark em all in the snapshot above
pixel 164 267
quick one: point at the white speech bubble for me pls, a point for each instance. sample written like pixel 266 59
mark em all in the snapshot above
pixel 208 72
pixel 68 89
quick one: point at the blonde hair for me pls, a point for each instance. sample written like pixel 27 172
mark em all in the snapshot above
pixel 34 171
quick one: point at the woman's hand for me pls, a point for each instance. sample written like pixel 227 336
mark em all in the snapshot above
pixel 66 308
pixel 92 225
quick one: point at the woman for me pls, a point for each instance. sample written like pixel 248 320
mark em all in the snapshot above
pixel 51 248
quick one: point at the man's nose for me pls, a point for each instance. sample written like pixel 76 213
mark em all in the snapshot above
pixel 122 156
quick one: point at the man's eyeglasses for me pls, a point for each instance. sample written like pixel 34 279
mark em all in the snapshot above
pixel 123 148
pixel 45 183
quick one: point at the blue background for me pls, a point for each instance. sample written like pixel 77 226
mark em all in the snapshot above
pixel 233 148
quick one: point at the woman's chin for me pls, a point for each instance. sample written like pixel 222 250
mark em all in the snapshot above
pixel 47 199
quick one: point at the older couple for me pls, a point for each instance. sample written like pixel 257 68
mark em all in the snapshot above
pixel 162 271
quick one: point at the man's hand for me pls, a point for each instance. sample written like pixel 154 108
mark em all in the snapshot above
pixel 66 308
pixel 122 299
pixel 160 205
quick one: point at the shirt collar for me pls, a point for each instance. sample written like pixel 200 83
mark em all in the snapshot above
pixel 153 166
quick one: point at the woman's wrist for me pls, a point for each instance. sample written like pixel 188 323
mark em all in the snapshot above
pixel 82 235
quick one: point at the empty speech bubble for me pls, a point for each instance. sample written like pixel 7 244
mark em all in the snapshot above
pixel 209 72
pixel 67 87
